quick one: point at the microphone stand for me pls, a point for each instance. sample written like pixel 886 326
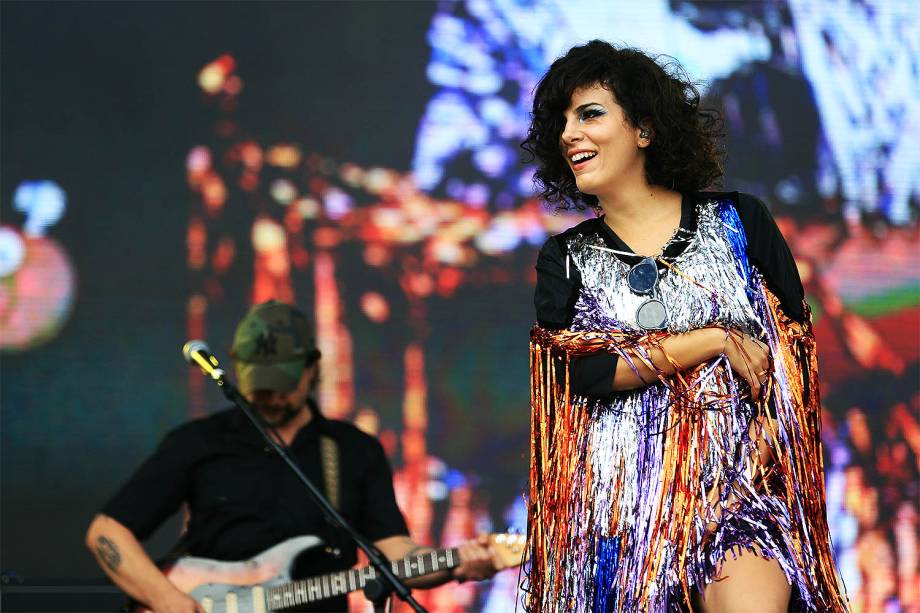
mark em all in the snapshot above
pixel 376 590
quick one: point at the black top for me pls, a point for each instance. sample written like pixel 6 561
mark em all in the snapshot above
pixel 243 499
pixel 556 294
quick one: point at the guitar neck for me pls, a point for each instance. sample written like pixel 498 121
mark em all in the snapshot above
pixel 336 584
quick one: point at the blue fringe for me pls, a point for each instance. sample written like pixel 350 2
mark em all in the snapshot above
pixel 738 240
pixel 606 557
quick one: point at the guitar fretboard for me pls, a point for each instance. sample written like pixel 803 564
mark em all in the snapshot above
pixel 336 584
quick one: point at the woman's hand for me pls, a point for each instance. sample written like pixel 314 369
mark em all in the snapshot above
pixel 749 357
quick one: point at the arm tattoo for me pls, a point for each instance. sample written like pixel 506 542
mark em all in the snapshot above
pixel 108 553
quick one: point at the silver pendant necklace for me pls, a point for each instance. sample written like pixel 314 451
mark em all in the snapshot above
pixel 642 279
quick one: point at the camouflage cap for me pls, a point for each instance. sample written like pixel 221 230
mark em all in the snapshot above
pixel 272 346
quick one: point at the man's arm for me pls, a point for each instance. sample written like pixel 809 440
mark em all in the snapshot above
pixel 127 564
pixel 379 514
pixel 476 561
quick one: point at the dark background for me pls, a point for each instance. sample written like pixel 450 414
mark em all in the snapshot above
pixel 102 98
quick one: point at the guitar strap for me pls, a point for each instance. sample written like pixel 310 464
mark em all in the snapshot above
pixel 329 454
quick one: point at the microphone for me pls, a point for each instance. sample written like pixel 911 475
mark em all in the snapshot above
pixel 197 352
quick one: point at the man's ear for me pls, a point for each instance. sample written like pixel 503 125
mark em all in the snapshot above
pixel 308 376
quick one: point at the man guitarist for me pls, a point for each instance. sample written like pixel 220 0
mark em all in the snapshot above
pixel 240 497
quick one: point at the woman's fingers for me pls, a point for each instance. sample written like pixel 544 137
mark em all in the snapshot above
pixel 753 382
pixel 763 366
pixel 750 358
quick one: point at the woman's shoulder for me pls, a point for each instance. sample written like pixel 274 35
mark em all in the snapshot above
pixel 557 242
pixel 747 205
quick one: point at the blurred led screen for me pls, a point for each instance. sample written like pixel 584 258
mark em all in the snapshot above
pixel 417 267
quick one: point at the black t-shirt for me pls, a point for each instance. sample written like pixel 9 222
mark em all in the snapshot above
pixel 243 499
pixel 557 292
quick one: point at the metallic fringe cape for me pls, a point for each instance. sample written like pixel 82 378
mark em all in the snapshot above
pixel 577 565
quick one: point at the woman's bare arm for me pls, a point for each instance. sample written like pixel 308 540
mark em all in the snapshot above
pixel 748 357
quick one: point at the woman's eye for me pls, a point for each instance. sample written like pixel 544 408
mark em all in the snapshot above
pixel 590 113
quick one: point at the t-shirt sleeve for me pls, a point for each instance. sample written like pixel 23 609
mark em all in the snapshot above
pixel 554 301
pixel 155 490
pixel 557 287
pixel 768 251
pixel 379 516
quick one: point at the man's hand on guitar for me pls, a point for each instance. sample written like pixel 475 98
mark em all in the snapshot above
pixel 477 560
pixel 176 602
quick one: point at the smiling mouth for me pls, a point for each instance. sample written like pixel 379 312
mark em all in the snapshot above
pixel 580 159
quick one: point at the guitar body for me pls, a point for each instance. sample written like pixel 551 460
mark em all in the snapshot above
pixel 240 587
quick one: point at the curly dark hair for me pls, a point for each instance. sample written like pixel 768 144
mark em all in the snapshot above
pixel 685 153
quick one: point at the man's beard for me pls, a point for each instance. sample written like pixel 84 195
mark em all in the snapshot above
pixel 277 415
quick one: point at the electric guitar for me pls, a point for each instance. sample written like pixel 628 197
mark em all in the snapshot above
pixel 264 583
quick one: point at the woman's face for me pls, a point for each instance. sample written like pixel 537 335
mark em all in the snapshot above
pixel 600 146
